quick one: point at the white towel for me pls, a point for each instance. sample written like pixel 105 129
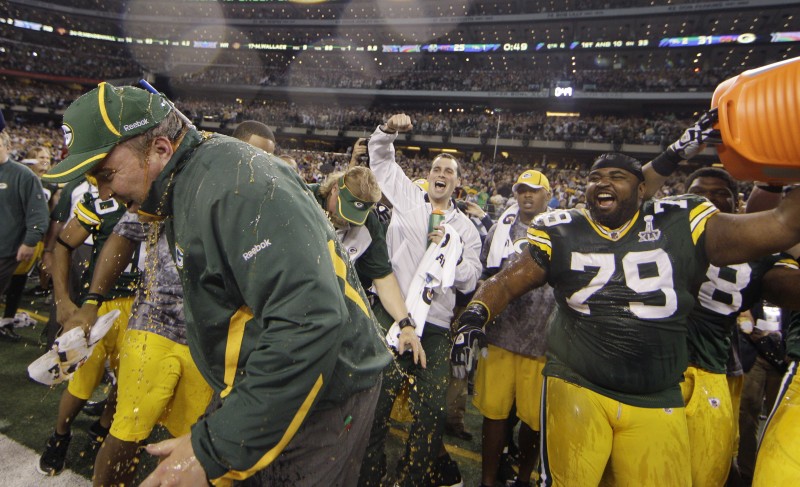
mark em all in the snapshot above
pixel 502 246
pixel 436 271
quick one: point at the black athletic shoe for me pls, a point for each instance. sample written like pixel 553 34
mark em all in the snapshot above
pixel 8 334
pixel 457 432
pixel 444 473
pixel 94 408
pixel 508 468
pixel 97 434
pixel 54 456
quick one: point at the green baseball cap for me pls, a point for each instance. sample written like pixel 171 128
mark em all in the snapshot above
pixel 101 119
pixel 350 208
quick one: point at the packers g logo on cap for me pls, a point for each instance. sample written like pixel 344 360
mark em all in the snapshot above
pixel 350 207
pixel 68 135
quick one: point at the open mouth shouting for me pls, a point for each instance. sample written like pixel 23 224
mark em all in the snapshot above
pixel 605 200
pixel 440 185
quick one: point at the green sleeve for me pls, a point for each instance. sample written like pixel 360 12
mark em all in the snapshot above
pixel 374 263
pixel 37 216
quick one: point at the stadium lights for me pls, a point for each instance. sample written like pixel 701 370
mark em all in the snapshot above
pixel 563 114
pixel 510 46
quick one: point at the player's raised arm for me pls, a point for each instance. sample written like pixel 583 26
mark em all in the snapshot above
pixel 755 234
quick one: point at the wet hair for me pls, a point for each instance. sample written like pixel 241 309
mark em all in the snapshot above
pixel 619 161
pixel 714 172
pixel 171 127
pixel 359 180
pixel 249 128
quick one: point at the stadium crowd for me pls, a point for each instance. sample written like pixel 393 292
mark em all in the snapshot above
pixel 656 129
pixel 484 181
pixel 360 9
pixel 95 59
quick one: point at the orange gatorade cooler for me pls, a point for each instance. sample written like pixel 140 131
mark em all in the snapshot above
pixel 759 119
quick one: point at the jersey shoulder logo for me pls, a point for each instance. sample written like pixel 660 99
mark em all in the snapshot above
pixel 178 256
pixel 649 234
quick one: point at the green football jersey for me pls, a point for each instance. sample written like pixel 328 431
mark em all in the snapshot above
pixel 99 217
pixel 623 297
pixel 724 293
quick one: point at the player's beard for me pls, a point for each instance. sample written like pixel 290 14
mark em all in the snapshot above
pixel 623 211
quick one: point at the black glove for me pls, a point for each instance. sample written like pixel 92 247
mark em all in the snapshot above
pixel 691 142
pixel 469 340
pixel 689 145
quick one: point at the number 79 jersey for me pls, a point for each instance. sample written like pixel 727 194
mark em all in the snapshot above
pixel 623 297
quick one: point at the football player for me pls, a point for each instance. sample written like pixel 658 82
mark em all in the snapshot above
pixel 623 272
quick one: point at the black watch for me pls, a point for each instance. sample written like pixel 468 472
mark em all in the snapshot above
pixel 406 322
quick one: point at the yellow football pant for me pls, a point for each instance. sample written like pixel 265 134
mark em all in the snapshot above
pixel 584 432
pixel 709 416
pixel 158 383
pixel 778 460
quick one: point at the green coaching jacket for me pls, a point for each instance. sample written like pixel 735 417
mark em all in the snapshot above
pixel 276 319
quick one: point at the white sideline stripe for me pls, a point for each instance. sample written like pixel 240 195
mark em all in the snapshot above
pixel 18 468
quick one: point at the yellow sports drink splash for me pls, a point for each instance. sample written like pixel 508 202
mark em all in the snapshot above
pixel 759 120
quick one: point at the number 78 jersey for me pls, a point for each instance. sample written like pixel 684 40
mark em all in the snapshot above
pixel 623 297
pixel 724 293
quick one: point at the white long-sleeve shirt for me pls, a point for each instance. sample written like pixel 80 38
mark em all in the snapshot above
pixel 407 235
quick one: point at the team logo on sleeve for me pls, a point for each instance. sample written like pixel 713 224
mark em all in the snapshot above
pixel 649 234
pixel 178 257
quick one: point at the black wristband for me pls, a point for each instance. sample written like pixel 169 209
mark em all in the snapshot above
pixel 476 313
pixel 406 323
pixel 94 298
pixel 667 162
pixel 770 188
pixel 63 243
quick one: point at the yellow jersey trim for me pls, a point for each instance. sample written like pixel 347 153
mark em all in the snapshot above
pixel 340 267
pixel 233 346
pixel 541 240
pixel 788 263
pixel 272 454
pixel 698 217
pixel 611 233
pixel 86 216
